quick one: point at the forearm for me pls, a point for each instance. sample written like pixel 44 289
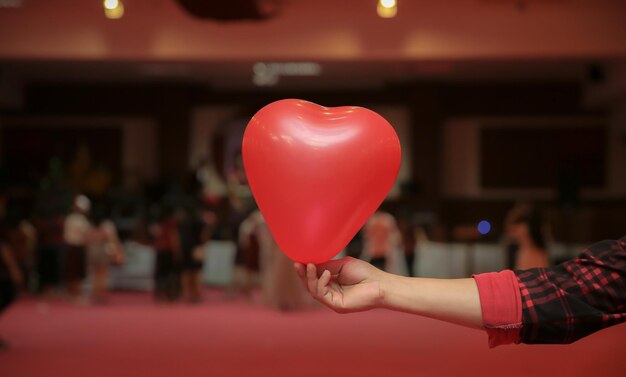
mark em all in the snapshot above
pixel 451 300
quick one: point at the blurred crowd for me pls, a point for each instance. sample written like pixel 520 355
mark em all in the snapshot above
pixel 58 240
pixel 61 236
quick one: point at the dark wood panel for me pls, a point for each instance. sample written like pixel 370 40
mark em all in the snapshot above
pixel 535 157
pixel 79 152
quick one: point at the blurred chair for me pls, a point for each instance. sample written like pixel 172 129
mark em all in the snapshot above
pixel 489 257
pixel 396 264
pixel 559 252
pixel 137 272
pixel 441 260
pixel 219 261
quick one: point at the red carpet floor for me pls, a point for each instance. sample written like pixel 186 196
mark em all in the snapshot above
pixel 133 337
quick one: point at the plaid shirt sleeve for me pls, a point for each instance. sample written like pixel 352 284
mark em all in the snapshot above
pixel 574 299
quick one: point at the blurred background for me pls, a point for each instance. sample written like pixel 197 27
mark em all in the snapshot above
pixel 131 241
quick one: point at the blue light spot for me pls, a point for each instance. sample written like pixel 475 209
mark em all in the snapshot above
pixel 484 227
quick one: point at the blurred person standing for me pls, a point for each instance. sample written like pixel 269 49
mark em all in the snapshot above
pixel 75 231
pixel 240 200
pixel 21 239
pixel 280 286
pixel 526 228
pixel 11 278
pixel 382 237
pixel 213 187
pixel 49 246
pixel 194 232
pixel 103 249
pixel 167 246
pixel 239 192
pixel 409 242
pixel 247 263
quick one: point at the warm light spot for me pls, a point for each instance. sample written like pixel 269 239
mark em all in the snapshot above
pixel 111 4
pixel 388 3
pixel 387 8
pixel 113 9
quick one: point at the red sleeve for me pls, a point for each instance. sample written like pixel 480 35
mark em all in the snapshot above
pixel 501 304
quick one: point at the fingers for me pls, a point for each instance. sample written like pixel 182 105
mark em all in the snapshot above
pixel 322 284
pixel 317 287
pixel 311 278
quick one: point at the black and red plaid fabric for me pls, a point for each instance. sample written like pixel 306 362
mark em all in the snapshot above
pixel 574 299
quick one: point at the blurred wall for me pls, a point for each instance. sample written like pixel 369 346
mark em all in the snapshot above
pixel 138 136
pixel 324 29
pixel 461 158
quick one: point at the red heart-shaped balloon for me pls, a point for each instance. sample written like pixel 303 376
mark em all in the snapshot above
pixel 318 173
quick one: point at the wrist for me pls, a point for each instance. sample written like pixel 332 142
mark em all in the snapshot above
pixel 389 285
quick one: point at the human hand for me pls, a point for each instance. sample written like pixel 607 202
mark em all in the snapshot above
pixel 345 285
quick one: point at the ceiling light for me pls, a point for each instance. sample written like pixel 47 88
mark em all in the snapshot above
pixel 387 8
pixel 113 9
